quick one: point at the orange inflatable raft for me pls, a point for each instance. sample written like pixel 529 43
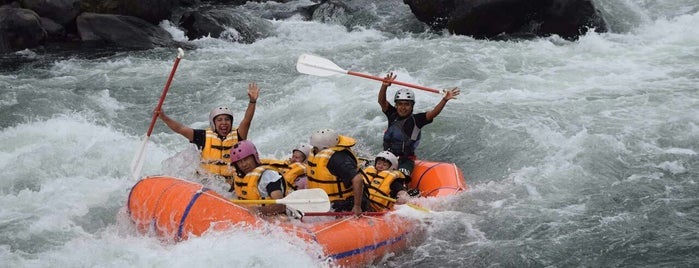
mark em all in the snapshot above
pixel 175 209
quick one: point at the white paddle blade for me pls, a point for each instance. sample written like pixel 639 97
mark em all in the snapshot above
pixel 314 65
pixel 137 161
pixel 307 200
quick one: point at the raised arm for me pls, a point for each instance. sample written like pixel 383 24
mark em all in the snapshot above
pixel 358 192
pixel 244 127
pixel 382 91
pixel 183 130
pixel 448 95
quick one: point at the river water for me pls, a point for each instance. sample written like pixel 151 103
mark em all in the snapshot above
pixel 577 153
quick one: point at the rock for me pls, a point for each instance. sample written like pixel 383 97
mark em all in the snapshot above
pixel 55 31
pixel 153 11
pixel 120 30
pixel 20 29
pixel 62 12
pixel 494 18
pixel 223 23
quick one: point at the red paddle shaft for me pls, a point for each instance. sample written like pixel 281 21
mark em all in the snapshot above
pixel 162 97
pixel 393 82
pixel 343 213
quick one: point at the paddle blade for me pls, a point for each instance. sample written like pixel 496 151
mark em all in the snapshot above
pixel 307 200
pixel 314 65
pixel 137 162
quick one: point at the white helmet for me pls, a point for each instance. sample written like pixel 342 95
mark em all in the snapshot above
pixel 388 156
pixel 304 148
pixel 325 138
pixel 404 94
pixel 216 112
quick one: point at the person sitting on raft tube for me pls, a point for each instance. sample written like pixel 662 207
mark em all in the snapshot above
pixel 255 181
pixel 216 141
pixel 383 180
pixel 333 167
pixel 404 128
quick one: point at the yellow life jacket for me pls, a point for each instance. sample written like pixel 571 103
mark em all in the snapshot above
pixel 295 170
pixel 289 171
pixel 216 154
pixel 380 183
pixel 246 187
pixel 320 177
pixel 280 166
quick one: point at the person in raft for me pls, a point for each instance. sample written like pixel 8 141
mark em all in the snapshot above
pixel 383 180
pixel 216 141
pixel 404 127
pixel 296 175
pixel 293 170
pixel 333 167
pixel 255 181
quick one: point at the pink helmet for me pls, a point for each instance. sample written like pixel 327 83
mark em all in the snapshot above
pixel 243 149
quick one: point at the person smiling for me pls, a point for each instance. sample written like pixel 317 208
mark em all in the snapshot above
pixel 216 141
pixel 404 128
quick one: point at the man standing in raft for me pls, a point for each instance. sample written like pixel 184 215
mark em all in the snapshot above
pixel 333 167
pixel 216 141
pixel 403 133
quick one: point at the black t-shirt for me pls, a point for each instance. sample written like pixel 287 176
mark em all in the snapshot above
pixel 418 120
pixel 343 165
pixel 396 186
pixel 200 138
pixel 276 185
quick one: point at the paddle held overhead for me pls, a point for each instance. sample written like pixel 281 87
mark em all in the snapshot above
pixel 137 162
pixel 315 65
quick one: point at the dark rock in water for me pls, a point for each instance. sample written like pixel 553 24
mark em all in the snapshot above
pixel 62 12
pixel 223 23
pixel 153 11
pixel 55 31
pixel 346 13
pixel 20 29
pixel 124 31
pixel 495 18
pixel 198 24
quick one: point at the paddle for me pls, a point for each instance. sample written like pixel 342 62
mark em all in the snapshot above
pixel 304 200
pixel 137 162
pixel 344 213
pixel 394 200
pixel 314 65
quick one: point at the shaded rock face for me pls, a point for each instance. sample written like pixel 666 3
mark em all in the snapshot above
pixel 223 23
pixel 60 11
pixel 492 18
pixel 123 31
pixel 152 11
pixel 19 29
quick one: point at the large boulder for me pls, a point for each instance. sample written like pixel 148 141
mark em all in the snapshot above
pixel 228 24
pixel 120 30
pixel 153 11
pixel 62 12
pixel 20 29
pixel 494 18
